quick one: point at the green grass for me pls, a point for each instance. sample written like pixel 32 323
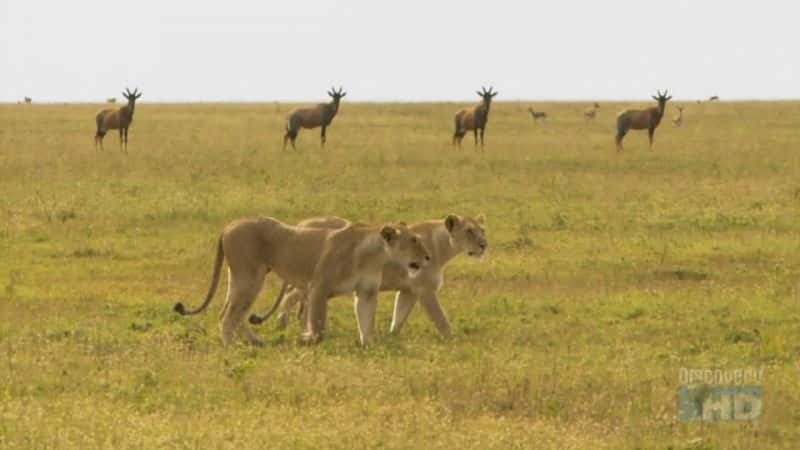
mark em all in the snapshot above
pixel 607 273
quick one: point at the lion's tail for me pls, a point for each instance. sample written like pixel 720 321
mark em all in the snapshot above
pixel 255 319
pixel 180 309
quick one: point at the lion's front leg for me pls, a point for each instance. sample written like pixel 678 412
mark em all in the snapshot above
pixel 403 304
pixel 317 315
pixel 435 313
pixel 365 304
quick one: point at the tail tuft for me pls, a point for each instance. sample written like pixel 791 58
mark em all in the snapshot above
pixel 179 308
pixel 255 320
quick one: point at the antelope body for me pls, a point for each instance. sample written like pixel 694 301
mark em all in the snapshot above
pixel 590 113
pixel 537 115
pixel 641 119
pixel 678 119
pixel 117 119
pixel 28 100
pixel 320 115
pixel 713 98
pixel 111 100
pixel 474 118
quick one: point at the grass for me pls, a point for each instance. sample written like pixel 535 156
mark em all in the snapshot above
pixel 607 273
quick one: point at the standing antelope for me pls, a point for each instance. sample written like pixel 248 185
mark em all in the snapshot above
pixel 590 113
pixel 117 119
pixel 320 115
pixel 540 115
pixel 474 118
pixel 678 119
pixel 713 98
pixel 28 100
pixel 111 100
pixel 640 119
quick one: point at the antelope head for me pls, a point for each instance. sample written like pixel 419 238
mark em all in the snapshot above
pixel 661 99
pixel 336 95
pixel 486 95
pixel 131 96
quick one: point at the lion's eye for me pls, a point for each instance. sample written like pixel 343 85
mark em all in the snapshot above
pixel 471 231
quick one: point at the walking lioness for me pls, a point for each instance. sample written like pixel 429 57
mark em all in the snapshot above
pixel 445 239
pixel 333 262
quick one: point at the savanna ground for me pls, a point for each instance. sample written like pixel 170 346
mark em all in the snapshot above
pixel 606 274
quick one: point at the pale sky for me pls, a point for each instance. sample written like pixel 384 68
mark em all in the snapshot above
pixel 407 50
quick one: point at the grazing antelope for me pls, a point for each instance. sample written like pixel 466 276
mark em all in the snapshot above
pixel 320 115
pixel 590 113
pixel 713 98
pixel 678 119
pixel 540 115
pixel 640 119
pixel 474 118
pixel 111 100
pixel 28 100
pixel 117 119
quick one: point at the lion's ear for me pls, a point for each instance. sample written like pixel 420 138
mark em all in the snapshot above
pixel 481 219
pixel 388 233
pixel 451 221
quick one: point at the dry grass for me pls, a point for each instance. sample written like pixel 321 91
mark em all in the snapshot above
pixel 607 273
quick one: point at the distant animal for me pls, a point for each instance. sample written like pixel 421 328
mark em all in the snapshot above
pixel 117 119
pixel 28 100
pixel 445 239
pixel 537 115
pixel 329 262
pixel 590 113
pixel 678 119
pixel 713 98
pixel 474 118
pixel 111 100
pixel 320 115
pixel 641 119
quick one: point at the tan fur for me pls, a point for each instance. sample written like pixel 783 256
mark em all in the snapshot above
pixel 116 119
pixel 677 120
pixel 590 113
pixel 331 262
pixel 641 119
pixel 445 239
pixel 474 118
pixel 320 115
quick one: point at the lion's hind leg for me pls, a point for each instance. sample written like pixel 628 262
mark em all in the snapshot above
pixel 243 289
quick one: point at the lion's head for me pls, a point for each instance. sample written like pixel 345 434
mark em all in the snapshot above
pixel 467 234
pixel 405 247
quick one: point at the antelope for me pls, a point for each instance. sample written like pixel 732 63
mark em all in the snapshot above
pixel 537 115
pixel 640 119
pixel 590 113
pixel 713 98
pixel 111 100
pixel 117 119
pixel 474 118
pixel 320 115
pixel 678 119
pixel 28 100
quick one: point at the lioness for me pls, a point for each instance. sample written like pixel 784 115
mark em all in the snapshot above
pixel 445 239
pixel 331 262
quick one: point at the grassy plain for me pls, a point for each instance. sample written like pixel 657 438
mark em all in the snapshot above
pixel 606 274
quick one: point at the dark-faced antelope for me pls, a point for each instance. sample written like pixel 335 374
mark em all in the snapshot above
pixel 590 113
pixel 318 116
pixel 678 119
pixel 117 119
pixel 111 100
pixel 537 115
pixel 474 118
pixel 641 119
pixel 28 100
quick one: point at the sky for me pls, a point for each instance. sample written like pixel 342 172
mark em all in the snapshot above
pixel 410 50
